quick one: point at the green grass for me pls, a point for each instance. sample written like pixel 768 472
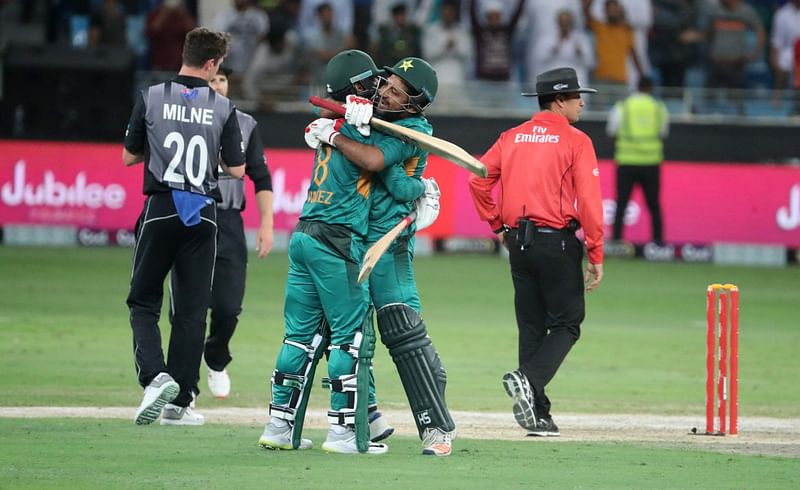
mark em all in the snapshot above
pixel 59 453
pixel 65 340
pixel 65 337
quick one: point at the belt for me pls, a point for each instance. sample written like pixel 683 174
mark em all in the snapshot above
pixel 547 229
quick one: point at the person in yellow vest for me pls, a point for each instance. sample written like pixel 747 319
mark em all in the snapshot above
pixel 639 123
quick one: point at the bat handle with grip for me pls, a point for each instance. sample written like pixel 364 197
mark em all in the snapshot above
pixel 411 217
pixel 327 104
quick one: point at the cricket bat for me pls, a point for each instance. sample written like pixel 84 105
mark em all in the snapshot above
pixel 431 144
pixel 376 251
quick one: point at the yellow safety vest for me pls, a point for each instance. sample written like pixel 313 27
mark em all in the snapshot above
pixel 638 141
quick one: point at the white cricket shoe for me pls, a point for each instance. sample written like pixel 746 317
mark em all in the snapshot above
pixel 219 383
pixel 342 440
pixel 162 390
pixel 379 428
pixel 175 415
pixel 436 442
pixel 279 436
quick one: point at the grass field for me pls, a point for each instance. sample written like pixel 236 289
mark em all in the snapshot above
pixel 65 341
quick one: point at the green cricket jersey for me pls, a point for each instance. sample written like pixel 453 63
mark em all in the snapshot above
pixel 339 191
pixel 392 194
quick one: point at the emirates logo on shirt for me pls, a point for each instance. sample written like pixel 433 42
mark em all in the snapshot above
pixel 538 135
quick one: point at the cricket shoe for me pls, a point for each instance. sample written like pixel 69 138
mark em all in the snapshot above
pixel 519 389
pixel 162 390
pixel 545 428
pixel 219 383
pixel 436 442
pixel 342 440
pixel 175 415
pixel 277 437
pixel 379 428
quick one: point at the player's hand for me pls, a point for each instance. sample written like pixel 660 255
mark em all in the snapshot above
pixel 323 130
pixel 427 205
pixel 593 276
pixel 264 239
pixel 358 112
pixel 311 138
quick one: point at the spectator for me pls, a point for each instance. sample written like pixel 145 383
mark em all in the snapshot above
pixel 284 16
pixel 493 39
pixel 447 46
pixel 639 15
pixel 614 42
pixel 324 42
pixel 309 19
pixel 567 47
pixel 274 68
pixel 784 46
pixel 397 38
pixel 419 11
pixel 107 25
pixel 728 47
pixel 166 29
pixel 674 39
pixel 639 123
pixel 539 16
pixel 248 26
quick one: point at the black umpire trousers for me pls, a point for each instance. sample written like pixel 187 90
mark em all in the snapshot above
pixel 164 243
pixel 549 303
pixel 227 291
pixel 649 178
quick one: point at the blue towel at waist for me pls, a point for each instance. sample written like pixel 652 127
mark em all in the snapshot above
pixel 189 205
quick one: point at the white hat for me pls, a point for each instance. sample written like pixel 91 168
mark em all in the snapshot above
pixel 491 6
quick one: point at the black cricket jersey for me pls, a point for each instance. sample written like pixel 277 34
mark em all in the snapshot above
pixel 231 188
pixel 183 126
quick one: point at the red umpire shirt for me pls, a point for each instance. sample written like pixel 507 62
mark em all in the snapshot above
pixel 548 173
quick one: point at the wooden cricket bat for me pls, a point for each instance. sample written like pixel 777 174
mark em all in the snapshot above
pixel 431 144
pixel 376 251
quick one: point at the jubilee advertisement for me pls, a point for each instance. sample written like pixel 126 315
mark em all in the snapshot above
pixel 87 186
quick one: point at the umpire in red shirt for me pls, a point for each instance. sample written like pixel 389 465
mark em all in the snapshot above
pixel 550 188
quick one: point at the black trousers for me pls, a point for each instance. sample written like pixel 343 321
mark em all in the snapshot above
pixel 227 292
pixel 164 243
pixel 649 178
pixel 549 304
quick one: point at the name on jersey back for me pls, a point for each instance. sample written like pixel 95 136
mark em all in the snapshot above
pixel 196 115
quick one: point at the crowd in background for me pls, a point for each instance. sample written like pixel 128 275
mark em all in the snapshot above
pixel 733 44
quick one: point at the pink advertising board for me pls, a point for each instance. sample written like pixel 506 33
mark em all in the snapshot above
pixel 86 185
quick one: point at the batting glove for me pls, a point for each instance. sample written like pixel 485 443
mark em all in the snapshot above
pixel 358 112
pixel 311 138
pixel 427 205
pixel 323 130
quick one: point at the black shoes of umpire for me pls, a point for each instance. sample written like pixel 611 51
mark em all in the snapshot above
pixel 519 389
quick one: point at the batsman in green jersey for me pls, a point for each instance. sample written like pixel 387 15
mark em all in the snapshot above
pixel 402 98
pixel 325 307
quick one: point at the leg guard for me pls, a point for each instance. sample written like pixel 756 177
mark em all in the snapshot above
pixel 355 383
pixel 295 410
pixel 424 379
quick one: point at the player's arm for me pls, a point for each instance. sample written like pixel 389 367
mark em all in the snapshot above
pixel 233 158
pixel 365 156
pixel 402 187
pixel 257 171
pixel 135 135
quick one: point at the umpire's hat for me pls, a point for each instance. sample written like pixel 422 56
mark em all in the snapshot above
pixel 558 81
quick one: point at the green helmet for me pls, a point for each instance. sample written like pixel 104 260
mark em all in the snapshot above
pixel 347 68
pixel 421 78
